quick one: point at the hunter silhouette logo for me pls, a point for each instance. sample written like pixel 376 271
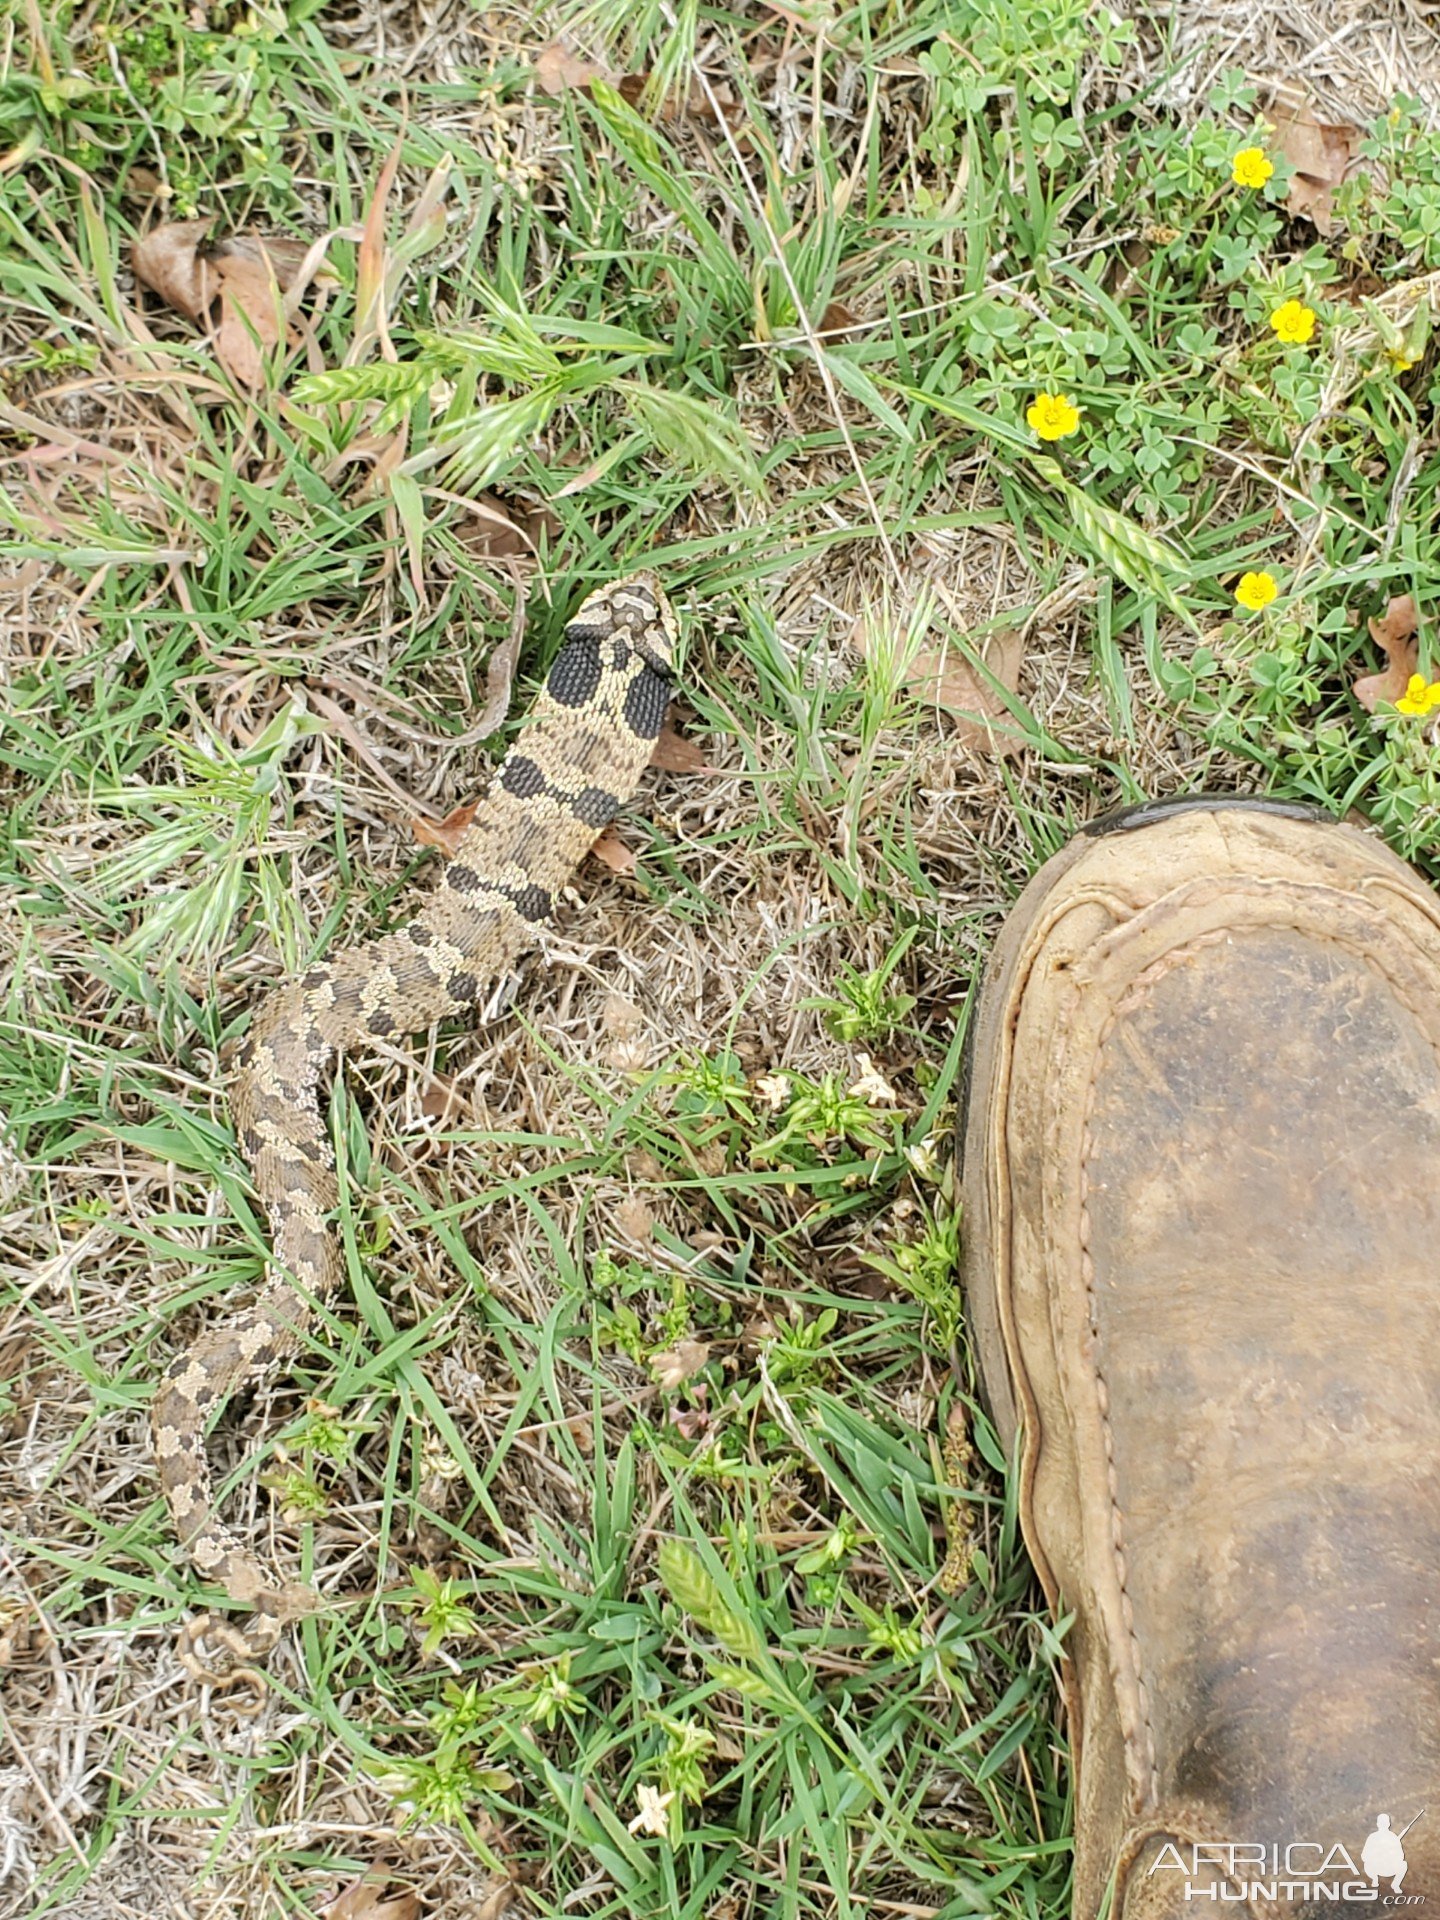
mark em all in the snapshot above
pixel 1383 1857
pixel 1232 1871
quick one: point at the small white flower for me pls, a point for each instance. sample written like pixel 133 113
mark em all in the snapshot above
pixel 924 1158
pixel 774 1090
pixel 872 1086
pixel 654 1811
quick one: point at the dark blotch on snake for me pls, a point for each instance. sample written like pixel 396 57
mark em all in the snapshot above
pixel 522 777
pixel 531 903
pixel 645 704
pixel 594 806
pixel 576 672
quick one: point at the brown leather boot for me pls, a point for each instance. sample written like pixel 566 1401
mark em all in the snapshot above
pixel 1202 1227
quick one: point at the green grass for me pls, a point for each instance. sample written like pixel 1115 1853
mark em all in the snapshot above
pixel 625 1457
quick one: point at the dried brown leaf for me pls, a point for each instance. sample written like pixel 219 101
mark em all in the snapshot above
pixel 697 106
pixel 634 1219
pixel 838 321
pixel 167 260
pixel 965 692
pixel 494 529
pixel 447 833
pixel 558 69
pixel 945 676
pixel 285 256
pixel 488 532
pixel 249 326
pixel 611 851
pixel 367 1899
pixel 440 1098
pixel 679 1363
pixel 1321 152
pixel 233 288
pixel 674 754
pixel 1395 633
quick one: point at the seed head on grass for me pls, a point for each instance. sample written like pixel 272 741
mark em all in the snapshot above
pixel 1294 323
pixel 1052 415
pixel 1251 167
pixel 1256 591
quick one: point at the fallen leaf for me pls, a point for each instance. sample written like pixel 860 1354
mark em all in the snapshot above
pixel 1322 154
pixel 495 530
pixel 248 327
pixel 558 70
pixel 634 1219
pixel 440 1098
pixel 488 532
pixel 1395 635
pixel 837 321
pixel 944 675
pixel 445 834
pixel 499 673
pixel 232 288
pixel 611 851
pixel 367 1899
pixel 679 1363
pixel 168 260
pixel 674 754
pixel 696 106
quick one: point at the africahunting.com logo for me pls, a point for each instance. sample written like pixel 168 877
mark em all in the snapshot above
pixel 1236 1870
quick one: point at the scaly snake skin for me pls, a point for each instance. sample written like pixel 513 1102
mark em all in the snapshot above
pixel 579 759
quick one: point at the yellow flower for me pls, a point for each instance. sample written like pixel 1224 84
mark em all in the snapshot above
pixel 1294 323
pixel 1418 697
pixel 1251 167
pixel 1052 415
pixel 1256 591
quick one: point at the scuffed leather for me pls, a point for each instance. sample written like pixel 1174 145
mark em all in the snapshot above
pixel 1202 1172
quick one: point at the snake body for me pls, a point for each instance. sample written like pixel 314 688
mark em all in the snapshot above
pixel 580 758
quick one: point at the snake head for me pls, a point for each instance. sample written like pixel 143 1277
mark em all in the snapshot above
pixel 654 632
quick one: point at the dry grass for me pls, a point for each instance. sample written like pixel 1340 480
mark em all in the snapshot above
pixel 483 1383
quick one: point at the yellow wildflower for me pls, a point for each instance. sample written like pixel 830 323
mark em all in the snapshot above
pixel 1256 591
pixel 1294 323
pixel 1251 167
pixel 1052 415
pixel 1418 697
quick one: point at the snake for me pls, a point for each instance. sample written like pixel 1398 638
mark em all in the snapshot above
pixel 576 762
